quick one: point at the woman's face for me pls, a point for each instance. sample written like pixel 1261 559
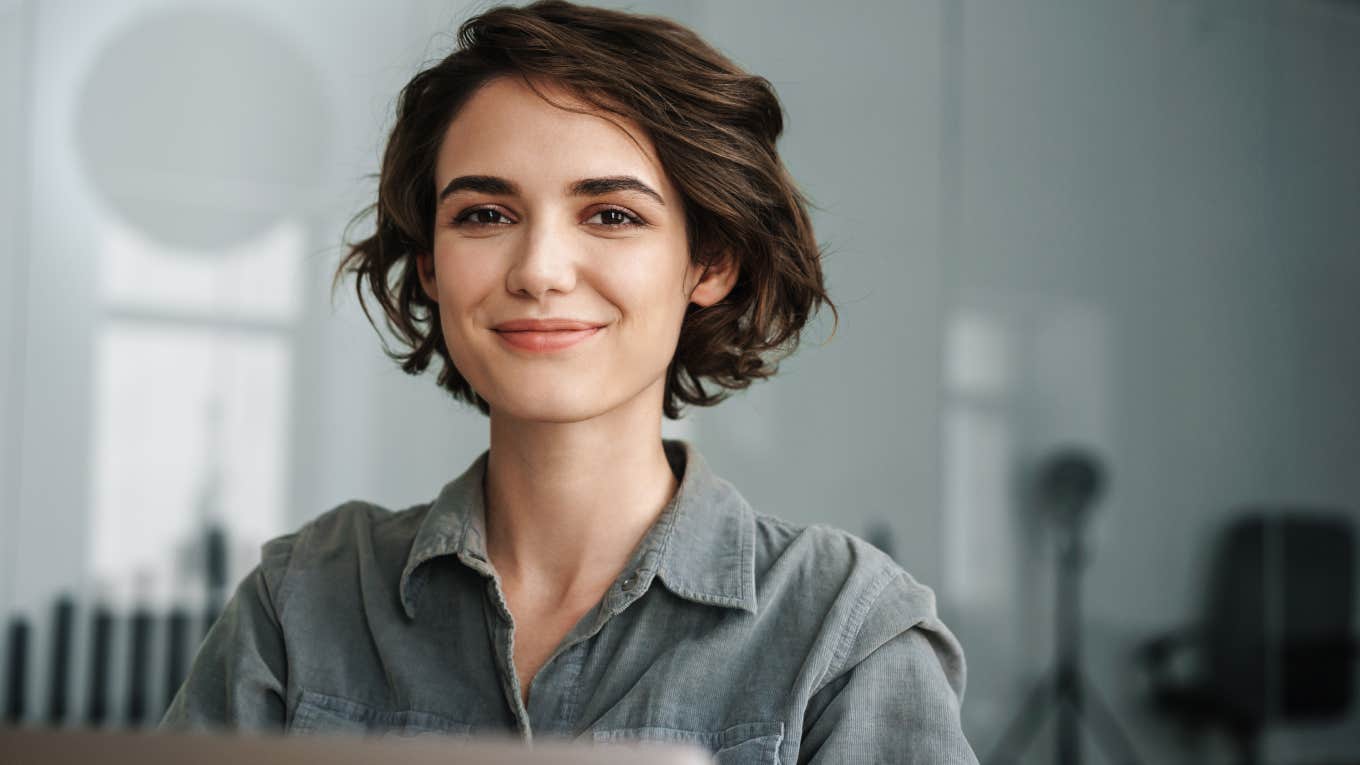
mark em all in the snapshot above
pixel 544 213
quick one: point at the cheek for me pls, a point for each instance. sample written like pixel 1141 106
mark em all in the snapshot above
pixel 650 290
pixel 463 288
pixel 464 280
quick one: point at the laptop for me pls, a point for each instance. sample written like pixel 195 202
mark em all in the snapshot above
pixel 20 746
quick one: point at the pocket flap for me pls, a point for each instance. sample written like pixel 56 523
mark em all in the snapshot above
pixel 752 743
pixel 322 713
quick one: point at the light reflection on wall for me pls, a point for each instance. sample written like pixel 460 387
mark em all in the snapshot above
pixel 191 419
pixel 255 280
pixel 1024 374
pixel 978 371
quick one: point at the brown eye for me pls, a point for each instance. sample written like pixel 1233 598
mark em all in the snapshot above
pixel 614 217
pixel 479 216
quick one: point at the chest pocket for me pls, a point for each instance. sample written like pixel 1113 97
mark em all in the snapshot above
pixel 754 743
pixel 320 713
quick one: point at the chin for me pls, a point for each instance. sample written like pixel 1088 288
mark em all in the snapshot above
pixel 553 406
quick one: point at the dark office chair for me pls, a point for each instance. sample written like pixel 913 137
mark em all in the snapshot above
pixel 1277 643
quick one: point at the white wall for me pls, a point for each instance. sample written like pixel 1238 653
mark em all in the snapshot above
pixel 1153 250
pixel 14 17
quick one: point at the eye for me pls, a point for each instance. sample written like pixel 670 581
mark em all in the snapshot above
pixel 610 217
pixel 488 217
pixel 617 217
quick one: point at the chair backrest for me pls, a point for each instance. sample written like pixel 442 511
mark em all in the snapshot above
pixel 1280 617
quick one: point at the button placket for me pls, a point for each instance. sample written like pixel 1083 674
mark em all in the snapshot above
pixel 503 637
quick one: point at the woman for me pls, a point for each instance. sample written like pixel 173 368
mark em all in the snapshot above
pixel 582 214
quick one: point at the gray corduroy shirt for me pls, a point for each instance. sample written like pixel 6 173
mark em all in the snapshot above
pixel 760 640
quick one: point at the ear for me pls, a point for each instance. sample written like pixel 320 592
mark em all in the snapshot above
pixel 425 268
pixel 715 281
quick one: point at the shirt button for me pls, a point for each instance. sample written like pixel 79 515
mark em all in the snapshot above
pixel 629 581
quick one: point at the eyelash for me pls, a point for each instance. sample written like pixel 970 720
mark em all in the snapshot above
pixel 463 219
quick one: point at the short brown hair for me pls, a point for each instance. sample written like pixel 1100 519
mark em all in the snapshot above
pixel 714 127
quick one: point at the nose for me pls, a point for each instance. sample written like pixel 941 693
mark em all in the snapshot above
pixel 544 261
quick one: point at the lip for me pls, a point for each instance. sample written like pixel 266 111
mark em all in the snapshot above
pixel 546 335
pixel 546 341
pixel 544 325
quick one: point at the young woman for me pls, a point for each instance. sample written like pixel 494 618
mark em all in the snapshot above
pixel 582 214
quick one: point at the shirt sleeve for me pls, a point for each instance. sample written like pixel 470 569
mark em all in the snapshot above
pixel 897 695
pixel 238 676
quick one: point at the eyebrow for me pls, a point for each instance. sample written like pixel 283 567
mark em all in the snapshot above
pixel 586 187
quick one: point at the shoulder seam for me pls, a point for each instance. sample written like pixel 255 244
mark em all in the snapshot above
pixel 854 625
pixel 776 520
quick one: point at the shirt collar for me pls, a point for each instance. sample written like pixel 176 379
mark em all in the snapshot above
pixel 702 546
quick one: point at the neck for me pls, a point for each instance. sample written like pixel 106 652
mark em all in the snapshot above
pixel 567 503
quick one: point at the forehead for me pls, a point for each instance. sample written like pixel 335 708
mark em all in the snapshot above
pixel 506 128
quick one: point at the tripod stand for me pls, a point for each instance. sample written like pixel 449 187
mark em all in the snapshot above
pixel 1067 486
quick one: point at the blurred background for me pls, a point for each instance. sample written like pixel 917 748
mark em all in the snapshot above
pixel 1097 378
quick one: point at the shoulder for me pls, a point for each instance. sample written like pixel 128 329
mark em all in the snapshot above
pixel 843 562
pixel 867 599
pixel 335 542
